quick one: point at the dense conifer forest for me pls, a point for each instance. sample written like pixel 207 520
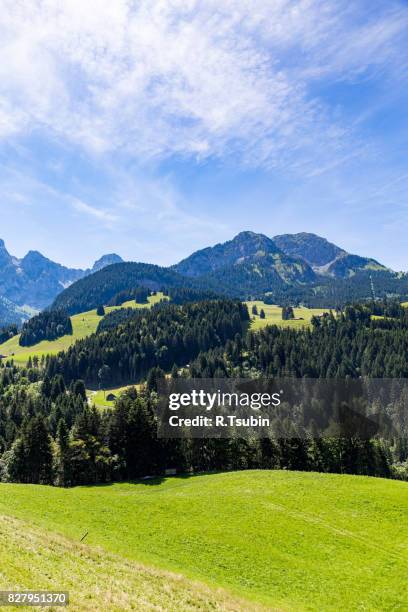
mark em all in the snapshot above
pixel 163 336
pixel 49 432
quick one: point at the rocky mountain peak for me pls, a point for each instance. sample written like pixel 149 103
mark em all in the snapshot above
pixel 106 260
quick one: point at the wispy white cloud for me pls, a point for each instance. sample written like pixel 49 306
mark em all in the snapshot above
pixel 19 187
pixel 97 213
pixel 144 215
pixel 156 78
pixel 158 208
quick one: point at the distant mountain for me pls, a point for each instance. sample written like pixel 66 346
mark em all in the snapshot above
pixel 35 281
pixel 11 313
pixel 249 262
pixel 315 250
pixel 293 268
pixel 243 247
pixel 324 257
pixel 106 260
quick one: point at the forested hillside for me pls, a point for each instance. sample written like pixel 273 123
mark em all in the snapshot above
pixel 166 335
pixel 8 332
pixel 101 287
pixel 49 433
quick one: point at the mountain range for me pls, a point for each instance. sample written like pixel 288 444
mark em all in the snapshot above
pixel 292 268
pixel 33 282
pixel 289 268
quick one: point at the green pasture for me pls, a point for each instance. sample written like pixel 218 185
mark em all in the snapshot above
pixel 273 315
pixel 288 540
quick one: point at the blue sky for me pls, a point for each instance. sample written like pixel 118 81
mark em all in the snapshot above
pixel 157 127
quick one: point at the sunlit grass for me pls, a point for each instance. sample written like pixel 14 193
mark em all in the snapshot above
pixel 273 315
pixel 33 558
pixel 292 540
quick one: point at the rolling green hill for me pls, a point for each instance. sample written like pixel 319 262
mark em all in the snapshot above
pixel 289 540
pixel 83 324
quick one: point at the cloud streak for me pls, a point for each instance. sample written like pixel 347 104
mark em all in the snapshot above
pixel 158 78
pixel 97 213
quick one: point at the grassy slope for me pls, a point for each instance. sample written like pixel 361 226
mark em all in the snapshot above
pixel 274 316
pixel 298 541
pixel 83 325
pixel 96 580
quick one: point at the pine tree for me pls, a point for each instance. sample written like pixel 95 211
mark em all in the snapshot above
pixel 78 388
pixel 63 456
pixel 32 454
pixel 104 376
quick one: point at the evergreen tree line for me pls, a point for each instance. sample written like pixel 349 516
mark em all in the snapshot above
pixel 48 325
pixel 336 293
pixel 183 295
pixel 349 345
pixel 51 436
pixel 104 285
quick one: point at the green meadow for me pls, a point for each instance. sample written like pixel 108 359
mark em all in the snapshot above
pixel 83 324
pixel 273 315
pixel 287 540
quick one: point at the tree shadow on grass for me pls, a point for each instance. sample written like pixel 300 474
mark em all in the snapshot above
pixel 149 480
